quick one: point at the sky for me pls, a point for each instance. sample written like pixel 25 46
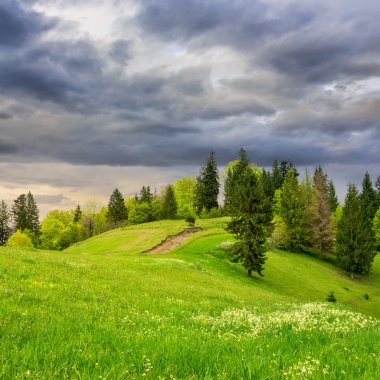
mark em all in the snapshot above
pixel 123 93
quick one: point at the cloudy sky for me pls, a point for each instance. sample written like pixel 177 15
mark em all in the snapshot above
pixel 102 93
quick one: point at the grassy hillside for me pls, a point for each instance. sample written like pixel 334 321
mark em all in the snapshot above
pixel 104 310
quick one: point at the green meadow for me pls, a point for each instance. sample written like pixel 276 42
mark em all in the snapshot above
pixel 103 310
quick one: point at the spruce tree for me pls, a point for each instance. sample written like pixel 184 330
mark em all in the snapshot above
pixel 250 222
pixel 277 177
pixel 333 198
pixel 169 203
pixel 77 214
pixel 207 185
pixel 145 196
pixel 117 211
pixel 268 184
pixel 232 182
pixel 5 229
pixel 25 213
pixel 368 198
pixel 293 211
pixel 355 246
pixel 377 185
pixel 321 216
pixel 33 222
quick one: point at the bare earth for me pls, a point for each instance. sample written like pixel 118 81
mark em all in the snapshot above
pixel 172 241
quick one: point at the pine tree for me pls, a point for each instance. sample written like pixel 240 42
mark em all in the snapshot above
pixel 117 211
pixel 268 184
pixel 208 185
pixel 250 222
pixel 145 196
pixel 33 222
pixel 19 213
pixel 25 213
pixel 355 246
pixel 285 166
pixel 77 214
pixel 5 230
pixel 368 198
pixel 333 198
pixel 233 180
pixel 321 216
pixel 169 203
pixel 377 185
pixel 293 212
pixel 277 177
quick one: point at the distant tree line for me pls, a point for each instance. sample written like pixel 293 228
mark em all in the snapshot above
pixel 266 207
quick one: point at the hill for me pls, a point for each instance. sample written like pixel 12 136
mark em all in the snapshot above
pixel 104 310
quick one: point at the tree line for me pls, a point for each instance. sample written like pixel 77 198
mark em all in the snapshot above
pixel 266 207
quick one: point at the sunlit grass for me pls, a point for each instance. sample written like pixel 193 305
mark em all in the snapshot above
pixel 104 310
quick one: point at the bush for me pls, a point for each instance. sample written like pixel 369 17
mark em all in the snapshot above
pixel 190 220
pixel 19 239
pixel 331 297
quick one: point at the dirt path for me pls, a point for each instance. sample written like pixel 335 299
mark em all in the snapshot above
pixel 172 241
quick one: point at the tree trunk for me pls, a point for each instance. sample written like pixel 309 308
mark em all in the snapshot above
pixel 352 275
pixel 249 272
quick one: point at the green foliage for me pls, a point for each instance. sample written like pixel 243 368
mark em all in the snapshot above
pixel 185 190
pixel 25 213
pixel 207 190
pixel 368 198
pixel 139 212
pixel 190 220
pixel 145 196
pixel 333 198
pixel 276 175
pixel 376 229
pixel 320 216
pixel 293 212
pixel 250 222
pixel 94 217
pixel 169 206
pixel 233 179
pixel 280 237
pixel 5 229
pixel 331 297
pixel 77 214
pixel 117 211
pixel 19 239
pixel 355 248
pixel 59 230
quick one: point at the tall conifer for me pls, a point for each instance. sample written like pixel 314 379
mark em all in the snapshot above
pixel 5 229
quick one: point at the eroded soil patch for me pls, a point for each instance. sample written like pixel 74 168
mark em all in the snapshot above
pixel 172 241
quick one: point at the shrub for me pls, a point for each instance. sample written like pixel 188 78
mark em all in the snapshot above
pixel 19 239
pixel 331 297
pixel 190 220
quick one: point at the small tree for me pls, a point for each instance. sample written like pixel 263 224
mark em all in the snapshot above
pixel 250 222
pixel 19 239
pixel 5 230
pixel 77 214
pixel 169 203
pixel 355 247
pixel 333 198
pixel 207 185
pixel 117 211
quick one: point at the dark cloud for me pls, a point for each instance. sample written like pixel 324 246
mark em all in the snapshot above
pixel 120 51
pixel 51 199
pixel 7 148
pixel 19 25
pixel 5 116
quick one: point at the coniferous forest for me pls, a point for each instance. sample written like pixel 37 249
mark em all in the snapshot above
pixel 279 207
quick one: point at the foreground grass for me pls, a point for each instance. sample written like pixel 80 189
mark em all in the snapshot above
pixel 103 310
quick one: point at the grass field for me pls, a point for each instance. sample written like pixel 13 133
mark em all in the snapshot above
pixel 103 310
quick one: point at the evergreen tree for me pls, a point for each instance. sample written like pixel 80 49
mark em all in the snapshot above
pixel 250 222
pixel 145 195
pixel 233 180
pixel 377 185
pixel 293 211
pixel 355 247
pixel 285 166
pixel 169 203
pixel 5 230
pixel 268 184
pixel 77 214
pixel 368 198
pixel 33 222
pixel 117 211
pixel 25 213
pixel 321 216
pixel 333 198
pixel 277 177
pixel 207 185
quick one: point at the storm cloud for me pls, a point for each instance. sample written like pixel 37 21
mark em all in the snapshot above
pixel 160 84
